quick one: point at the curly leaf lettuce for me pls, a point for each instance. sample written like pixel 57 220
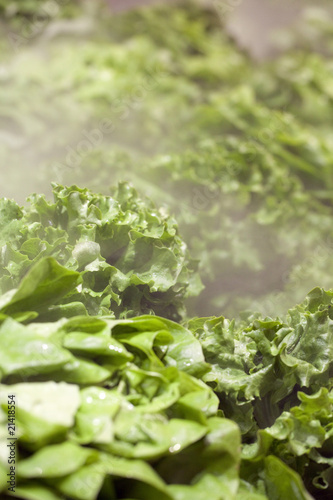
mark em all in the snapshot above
pixel 274 377
pixel 129 253
pixel 109 407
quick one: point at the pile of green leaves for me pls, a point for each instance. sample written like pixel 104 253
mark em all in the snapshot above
pixel 234 166
pixel 252 163
pixel 261 239
pixel 128 70
pixel 274 377
pixel 115 402
pixel 106 405
pixel 111 409
pixel 132 257
pixel 247 219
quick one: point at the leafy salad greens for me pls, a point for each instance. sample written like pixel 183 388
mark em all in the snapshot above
pixel 120 409
pixel 223 146
pixel 132 257
pixel 129 384
pixel 274 378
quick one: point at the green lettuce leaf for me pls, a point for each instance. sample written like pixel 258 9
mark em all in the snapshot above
pixel 130 256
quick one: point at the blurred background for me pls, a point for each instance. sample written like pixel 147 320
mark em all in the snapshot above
pixel 220 111
pixel 251 22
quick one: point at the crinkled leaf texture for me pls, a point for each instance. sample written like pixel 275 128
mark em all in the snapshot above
pixel 274 377
pixel 111 408
pixel 108 408
pixel 131 257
